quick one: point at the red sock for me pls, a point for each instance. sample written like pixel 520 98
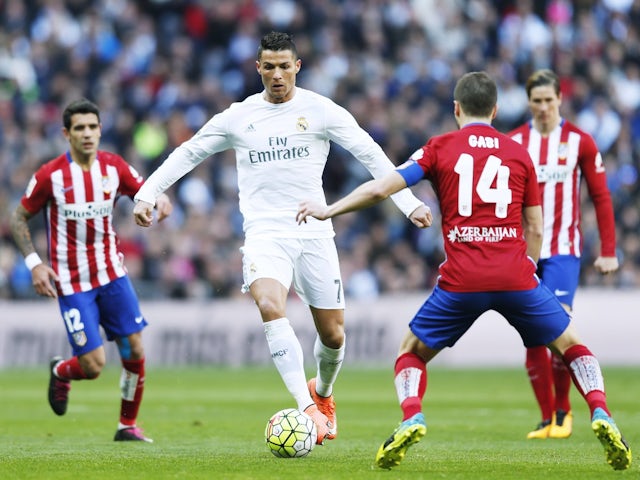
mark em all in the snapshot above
pixel 70 370
pixel 561 383
pixel 411 383
pixel 132 385
pixel 587 376
pixel 538 366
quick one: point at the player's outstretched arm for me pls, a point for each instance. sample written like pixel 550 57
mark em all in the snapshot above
pixel 366 195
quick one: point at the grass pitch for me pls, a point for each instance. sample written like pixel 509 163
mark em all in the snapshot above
pixel 208 423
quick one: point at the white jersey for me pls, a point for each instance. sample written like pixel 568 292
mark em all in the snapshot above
pixel 281 152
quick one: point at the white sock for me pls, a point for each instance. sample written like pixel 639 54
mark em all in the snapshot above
pixel 586 371
pixel 329 362
pixel 286 353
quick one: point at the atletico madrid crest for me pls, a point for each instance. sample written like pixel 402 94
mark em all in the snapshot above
pixel 106 186
pixel 563 151
pixel 80 339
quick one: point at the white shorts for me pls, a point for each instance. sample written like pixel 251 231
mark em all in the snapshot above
pixel 311 264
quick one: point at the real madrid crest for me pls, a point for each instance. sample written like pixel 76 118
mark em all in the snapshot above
pixel 302 125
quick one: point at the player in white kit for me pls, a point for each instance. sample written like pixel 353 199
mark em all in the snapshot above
pixel 281 137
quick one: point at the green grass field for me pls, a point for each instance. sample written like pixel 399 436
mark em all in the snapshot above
pixel 208 423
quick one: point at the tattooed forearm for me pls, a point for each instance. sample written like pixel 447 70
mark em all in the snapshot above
pixel 20 230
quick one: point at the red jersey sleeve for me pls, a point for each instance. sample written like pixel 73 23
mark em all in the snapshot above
pixel 593 171
pixel 130 179
pixel 38 191
pixel 532 194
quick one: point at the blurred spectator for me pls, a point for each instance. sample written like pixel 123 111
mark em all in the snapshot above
pixel 599 119
pixel 158 70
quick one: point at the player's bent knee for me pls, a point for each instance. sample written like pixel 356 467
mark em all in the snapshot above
pixel 92 369
pixel 93 362
pixel 131 348
pixel 333 340
pixel 270 309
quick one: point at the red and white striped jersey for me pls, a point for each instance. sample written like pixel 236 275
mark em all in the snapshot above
pixel 83 246
pixel 483 180
pixel 561 159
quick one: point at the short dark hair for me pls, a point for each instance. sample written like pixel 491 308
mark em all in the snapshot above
pixel 543 77
pixel 78 106
pixel 277 41
pixel 477 94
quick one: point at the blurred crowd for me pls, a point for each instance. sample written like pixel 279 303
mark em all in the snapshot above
pixel 158 69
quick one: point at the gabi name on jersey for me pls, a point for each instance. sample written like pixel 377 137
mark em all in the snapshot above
pixel 481 141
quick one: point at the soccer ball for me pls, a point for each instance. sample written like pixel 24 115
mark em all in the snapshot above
pixel 290 433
